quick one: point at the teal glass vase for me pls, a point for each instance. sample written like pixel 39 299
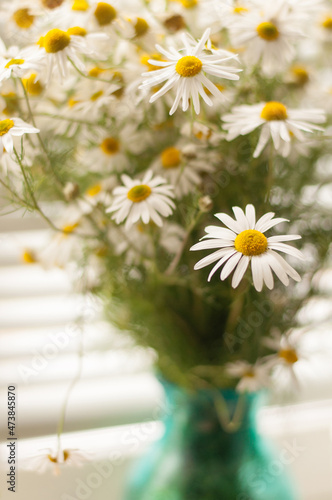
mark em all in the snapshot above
pixel 197 459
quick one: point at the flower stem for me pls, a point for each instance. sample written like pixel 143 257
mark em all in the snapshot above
pixel 32 195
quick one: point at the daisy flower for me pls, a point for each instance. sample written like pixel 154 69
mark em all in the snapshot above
pixel 252 377
pixel 17 62
pixel 58 46
pixel 65 246
pixel 91 98
pixel 182 166
pixel 97 194
pixel 10 128
pixel 186 69
pixel 55 460
pixel 276 120
pixel 288 355
pixel 143 200
pixel 324 28
pixel 20 20
pixel 268 33
pixel 243 243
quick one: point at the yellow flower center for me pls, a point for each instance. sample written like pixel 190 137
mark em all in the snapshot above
pixel 110 146
pixel 52 459
pixel 23 19
pixel 96 95
pixel 14 61
pixel 104 13
pixel 70 228
pixel 32 86
pixel 250 373
pixel 94 190
pixel 171 157
pixel 141 27
pixel 5 126
pixel 189 4
pixel 274 110
pixel 77 31
pixel 251 242
pixel 188 66
pixel 81 5
pixel 239 10
pixel 29 257
pixel 268 31
pixel 301 74
pixel 54 41
pixel 66 455
pixel 327 23
pixel 95 72
pixel 72 102
pixel 203 135
pixel 289 355
pixel 139 193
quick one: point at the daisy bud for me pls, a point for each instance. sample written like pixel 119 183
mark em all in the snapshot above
pixel 71 191
pixel 205 204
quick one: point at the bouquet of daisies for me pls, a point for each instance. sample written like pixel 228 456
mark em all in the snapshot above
pixel 185 146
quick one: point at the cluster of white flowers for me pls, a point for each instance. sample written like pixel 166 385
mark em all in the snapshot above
pixel 134 107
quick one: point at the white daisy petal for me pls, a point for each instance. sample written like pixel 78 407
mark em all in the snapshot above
pixel 230 265
pixel 221 262
pixel 240 270
pixel 282 247
pixel 241 218
pixel 251 216
pixel 211 258
pixel 257 274
pixel 228 221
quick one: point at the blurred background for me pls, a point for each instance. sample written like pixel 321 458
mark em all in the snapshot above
pixel 56 347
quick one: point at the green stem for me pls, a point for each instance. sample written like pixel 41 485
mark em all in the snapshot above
pixel 40 140
pixel 58 117
pixel 32 196
pixel 270 174
pixel 171 268
pixel 77 377
pixel 93 78
pixel 8 188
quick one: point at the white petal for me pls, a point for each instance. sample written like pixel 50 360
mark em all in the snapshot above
pixel 240 270
pixel 282 247
pixel 230 265
pixel 219 232
pixel 263 138
pixel 241 218
pixel 286 267
pixel 221 262
pixel 207 244
pixel 284 237
pixel 265 218
pixel 231 223
pixel 206 261
pixel 267 273
pixel 251 215
pixel 267 225
pixel 257 273
pixel 277 267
